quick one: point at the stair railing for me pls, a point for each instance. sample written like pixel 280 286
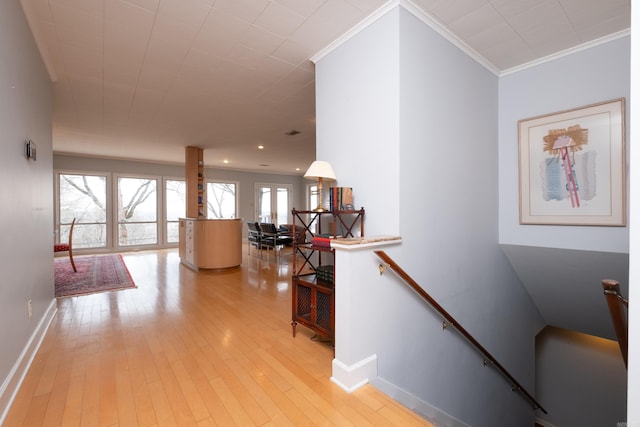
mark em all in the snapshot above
pixel 450 321
pixel 618 307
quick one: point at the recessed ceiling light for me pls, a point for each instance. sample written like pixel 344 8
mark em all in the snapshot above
pixel 260 147
pixel 225 161
pixel 297 169
pixel 292 132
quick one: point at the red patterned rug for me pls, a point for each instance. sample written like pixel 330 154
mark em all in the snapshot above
pixel 100 273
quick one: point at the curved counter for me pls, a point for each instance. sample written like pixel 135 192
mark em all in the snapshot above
pixel 210 243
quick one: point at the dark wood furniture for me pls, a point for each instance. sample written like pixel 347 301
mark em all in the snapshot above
pixel 67 247
pixel 313 300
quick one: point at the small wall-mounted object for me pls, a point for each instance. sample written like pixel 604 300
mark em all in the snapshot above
pixel 30 150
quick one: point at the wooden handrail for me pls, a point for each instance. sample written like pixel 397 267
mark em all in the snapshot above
pixel 453 322
pixel 617 305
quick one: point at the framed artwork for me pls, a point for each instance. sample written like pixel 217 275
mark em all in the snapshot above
pixel 572 166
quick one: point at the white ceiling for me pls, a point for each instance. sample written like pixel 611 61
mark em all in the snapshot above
pixel 142 79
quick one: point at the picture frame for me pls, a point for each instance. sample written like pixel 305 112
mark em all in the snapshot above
pixel 572 166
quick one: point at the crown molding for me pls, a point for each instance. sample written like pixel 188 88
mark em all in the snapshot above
pixel 567 52
pixel 443 31
pixel 378 13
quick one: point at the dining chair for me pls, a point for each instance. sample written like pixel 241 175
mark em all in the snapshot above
pixel 67 247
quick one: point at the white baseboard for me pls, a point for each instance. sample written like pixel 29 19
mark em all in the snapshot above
pixel 12 383
pixel 434 415
pixel 352 377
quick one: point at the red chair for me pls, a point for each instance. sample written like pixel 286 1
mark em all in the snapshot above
pixel 67 247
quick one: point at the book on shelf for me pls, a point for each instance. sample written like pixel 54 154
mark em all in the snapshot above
pixel 321 241
pixel 341 198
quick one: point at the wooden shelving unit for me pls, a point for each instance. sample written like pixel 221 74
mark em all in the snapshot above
pixel 313 299
pixel 194 177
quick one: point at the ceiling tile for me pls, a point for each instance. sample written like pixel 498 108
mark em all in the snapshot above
pixel 448 11
pixel 279 20
pixel 91 7
pixel 329 22
pixel 293 53
pixel 187 12
pixel 546 14
pixel 249 10
pixel 133 18
pixel 476 21
pixel 509 8
pixel 78 28
pixel 169 45
pixel 150 5
pixel 304 8
pixel 261 41
pixel 220 31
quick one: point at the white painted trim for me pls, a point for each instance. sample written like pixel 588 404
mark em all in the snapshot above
pixel 567 52
pixel 415 10
pixel 434 415
pixel 352 377
pixel 448 35
pixel 381 11
pixel 12 383
pixel 544 423
pixel 418 13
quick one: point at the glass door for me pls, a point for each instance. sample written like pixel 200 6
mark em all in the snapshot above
pixel 273 203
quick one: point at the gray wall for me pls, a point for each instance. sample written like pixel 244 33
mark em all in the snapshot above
pixel 26 212
pixel 417 119
pixel 590 76
pixel 567 292
pixel 246 180
pixel 581 378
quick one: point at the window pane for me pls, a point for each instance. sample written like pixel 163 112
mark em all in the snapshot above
pixel 264 204
pixel 137 211
pixel 313 196
pixel 175 199
pixel 221 200
pixel 283 205
pixel 172 232
pixel 132 234
pixel 83 197
pixel 137 200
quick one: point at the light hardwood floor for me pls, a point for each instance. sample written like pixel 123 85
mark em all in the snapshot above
pixel 186 348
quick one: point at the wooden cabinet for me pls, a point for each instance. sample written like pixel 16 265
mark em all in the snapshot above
pixel 194 177
pixel 313 300
pixel 210 243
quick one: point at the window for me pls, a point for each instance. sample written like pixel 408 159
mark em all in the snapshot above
pixel 273 203
pixel 312 196
pixel 137 211
pixel 221 199
pixel 175 207
pixel 83 197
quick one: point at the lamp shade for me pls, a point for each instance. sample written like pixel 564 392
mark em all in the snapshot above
pixel 320 169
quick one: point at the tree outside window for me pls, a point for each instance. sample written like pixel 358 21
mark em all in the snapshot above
pixel 221 199
pixel 137 211
pixel 83 197
pixel 175 205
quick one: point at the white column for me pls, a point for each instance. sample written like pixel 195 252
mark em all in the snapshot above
pixel 356 272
